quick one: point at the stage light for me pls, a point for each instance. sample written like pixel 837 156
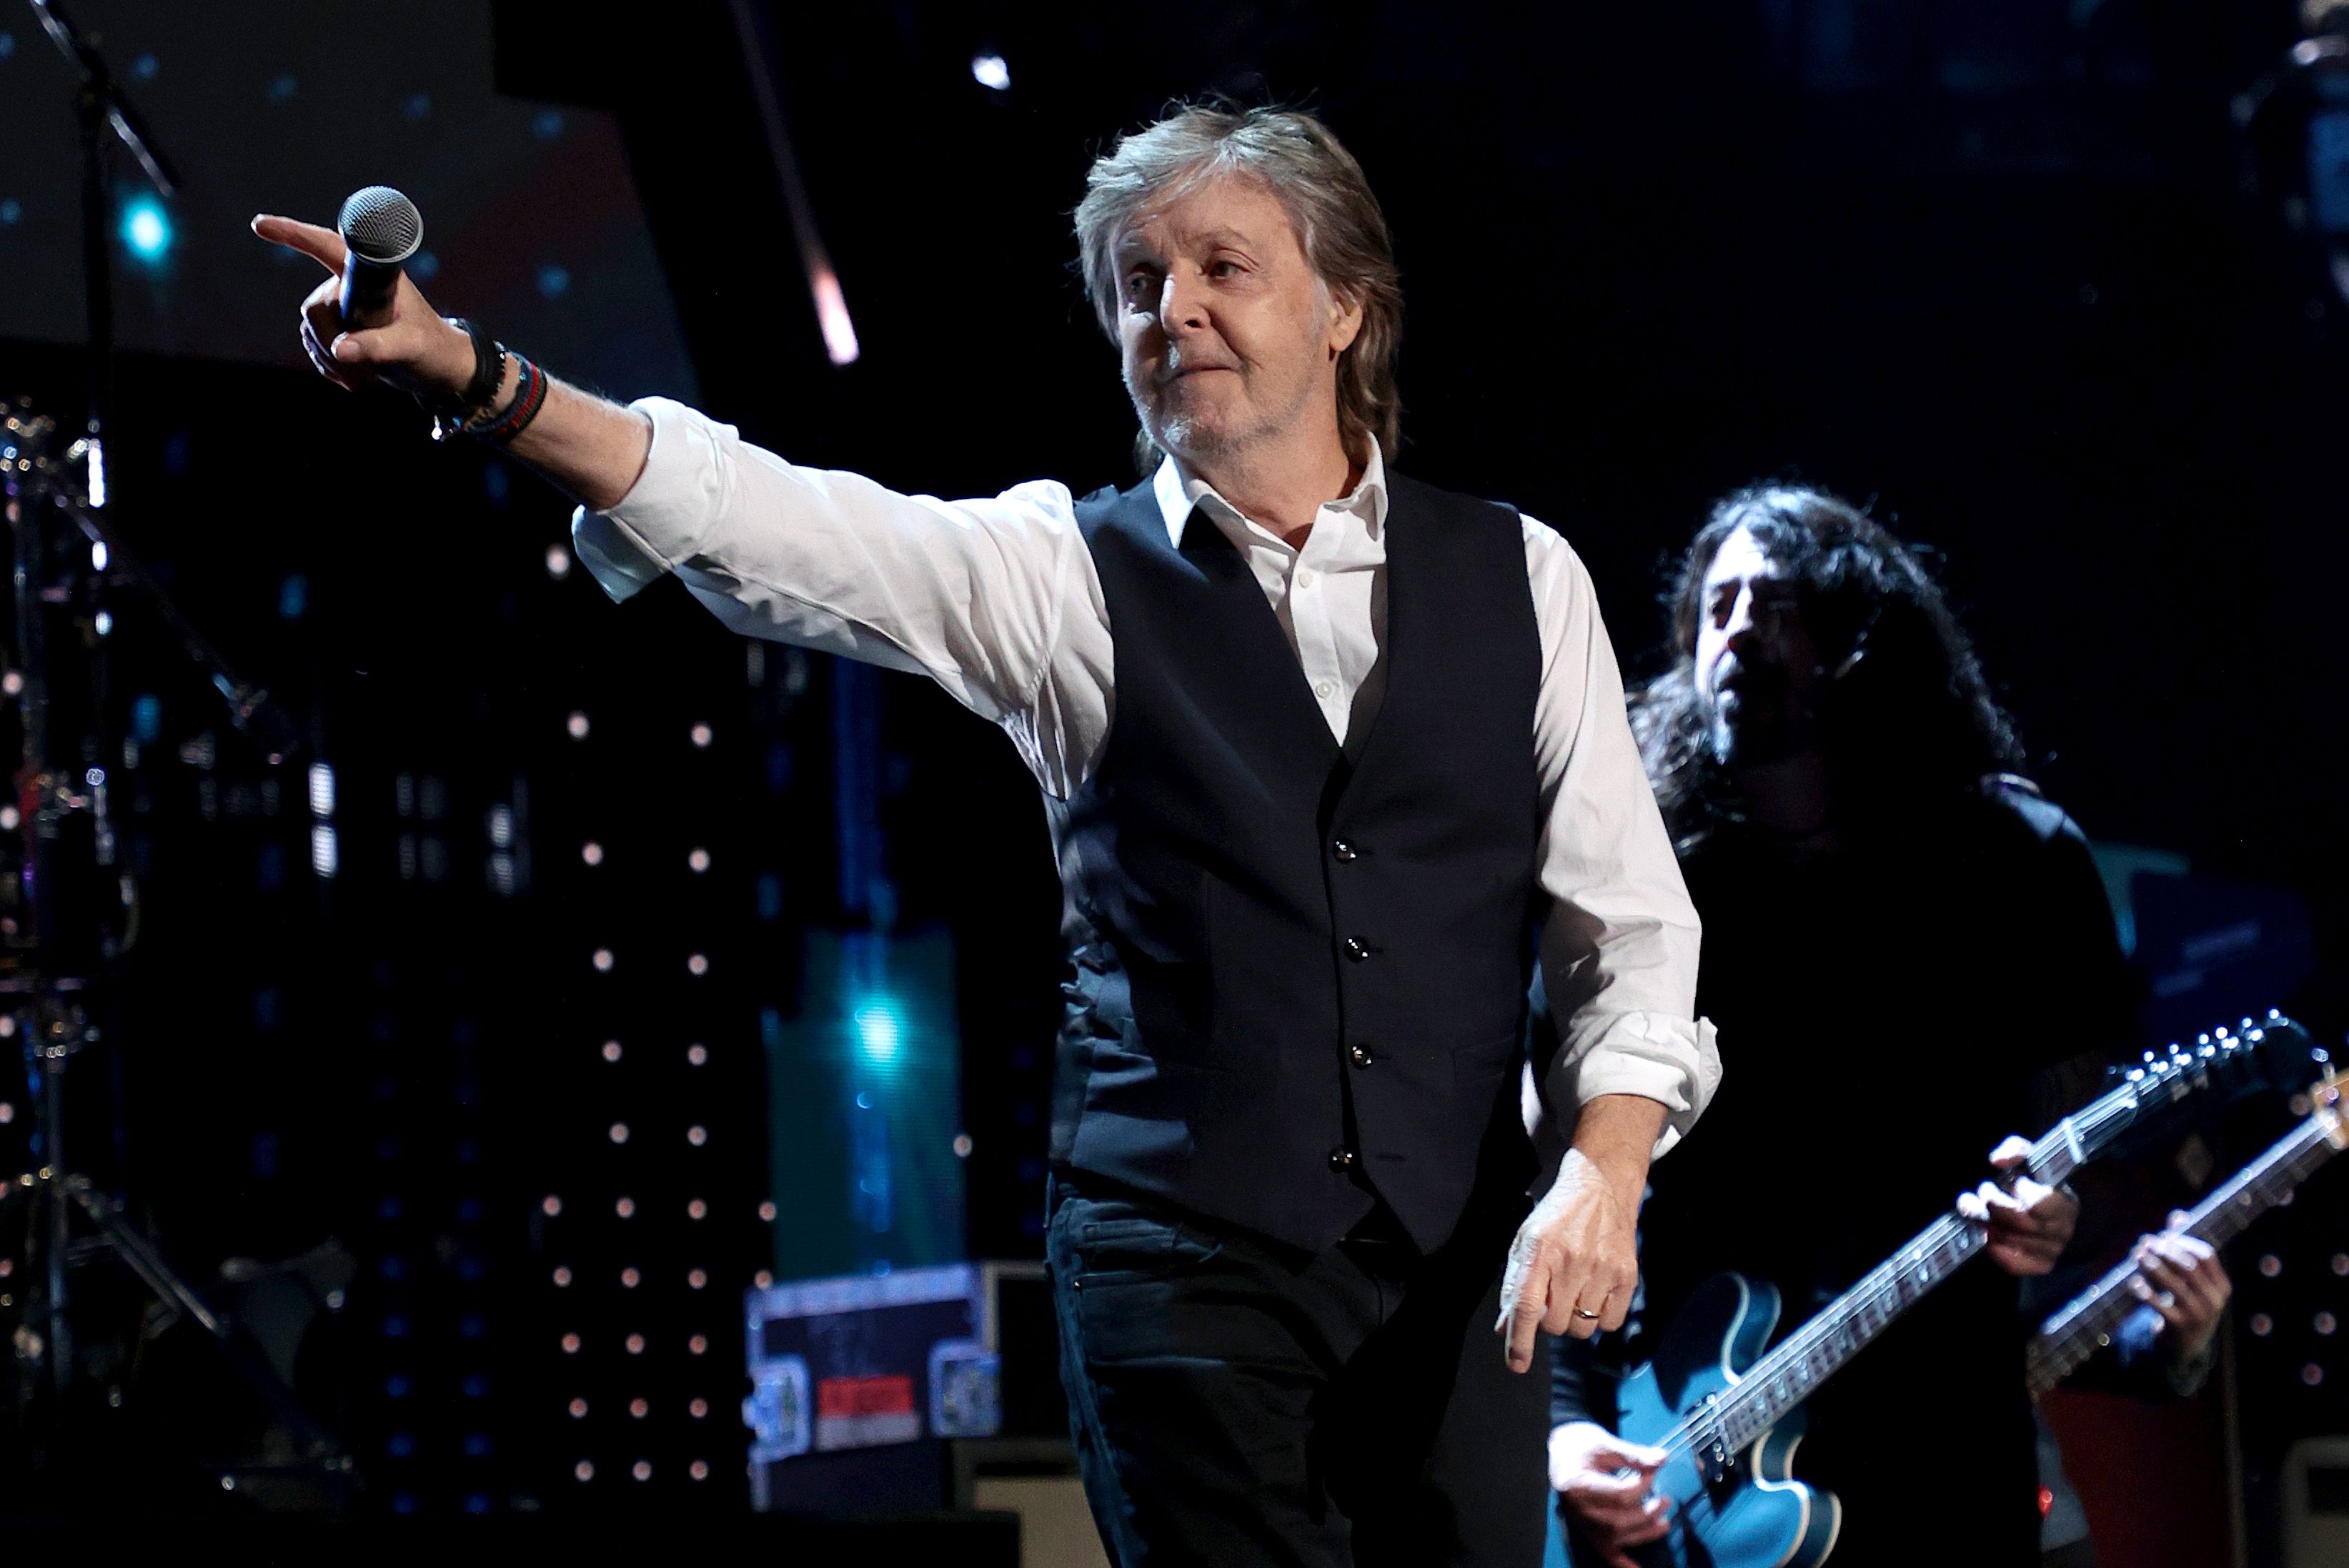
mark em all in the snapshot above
pixel 699 1409
pixel 578 725
pixel 991 72
pixel 611 1050
pixel 2262 1324
pixel 322 790
pixel 701 735
pixel 13 683
pixel 879 1033
pixel 697 1346
pixel 832 314
pixel 697 1136
pixel 2312 1375
pixel 569 1345
pixel 2270 1265
pixel 697 1210
pixel 629 1279
pixel 558 562
pixel 696 1054
pixel 583 1471
pixel 602 960
pixel 767 1209
pixel 562 1276
pixel 626 1207
pixel 642 1470
pixel 639 1407
pixel 98 555
pixel 698 1470
pixel 592 853
pixel 325 856
pixel 762 1279
pixel 94 450
pixel 696 1278
pixel 698 860
pixel 103 623
pixel 635 1344
pixel 147 229
pixel 7 1114
pixel 9 819
pixel 2340 1262
pixel 2326 1323
pixel 962 1145
pixel 551 1205
pixel 619 1132
pixel 696 964
pixel 578 1410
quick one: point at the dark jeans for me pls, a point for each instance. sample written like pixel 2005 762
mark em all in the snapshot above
pixel 1235 1402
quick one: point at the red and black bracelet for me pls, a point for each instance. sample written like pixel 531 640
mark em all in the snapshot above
pixel 530 396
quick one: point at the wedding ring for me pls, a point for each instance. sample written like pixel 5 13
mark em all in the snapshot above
pixel 1579 1313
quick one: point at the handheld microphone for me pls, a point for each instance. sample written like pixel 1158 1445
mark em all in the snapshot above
pixel 381 229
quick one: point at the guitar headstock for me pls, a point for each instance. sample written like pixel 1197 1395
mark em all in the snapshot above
pixel 2227 1063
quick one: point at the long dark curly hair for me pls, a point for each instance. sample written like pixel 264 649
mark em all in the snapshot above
pixel 1908 716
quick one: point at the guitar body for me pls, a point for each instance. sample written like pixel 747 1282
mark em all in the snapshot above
pixel 1757 1515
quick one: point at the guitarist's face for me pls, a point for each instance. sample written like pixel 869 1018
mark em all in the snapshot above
pixel 1758 670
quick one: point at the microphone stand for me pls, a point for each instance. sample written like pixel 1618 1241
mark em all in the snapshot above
pixel 39 1003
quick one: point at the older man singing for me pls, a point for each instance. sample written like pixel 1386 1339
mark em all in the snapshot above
pixel 1327 753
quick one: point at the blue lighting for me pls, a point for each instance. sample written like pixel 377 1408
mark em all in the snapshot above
pixel 146 229
pixel 879 1031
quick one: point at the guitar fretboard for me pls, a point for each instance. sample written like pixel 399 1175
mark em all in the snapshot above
pixel 1794 1368
pixel 2086 1324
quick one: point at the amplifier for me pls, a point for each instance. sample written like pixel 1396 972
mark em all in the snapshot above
pixel 858 1383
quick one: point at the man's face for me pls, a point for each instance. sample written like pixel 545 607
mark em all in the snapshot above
pixel 1228 337
pixel 1758 679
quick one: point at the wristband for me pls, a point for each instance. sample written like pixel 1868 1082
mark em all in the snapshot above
pixel 452 414
pixel 530 396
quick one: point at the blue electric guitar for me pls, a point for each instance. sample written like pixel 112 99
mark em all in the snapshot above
pixel 1728 1413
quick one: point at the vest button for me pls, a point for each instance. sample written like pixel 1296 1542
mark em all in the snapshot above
pixel 1342 1160
pixel 1342 850
pixel 1356 949
pixel 1360 1055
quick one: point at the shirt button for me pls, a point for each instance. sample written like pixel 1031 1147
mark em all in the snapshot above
pixel 1304 576
pixel 1360 1055
pixel 1356 949
pixel 1325 689
pixel 1342 1160
pixel 1342 849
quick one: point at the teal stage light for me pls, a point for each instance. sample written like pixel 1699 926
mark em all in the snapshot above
pixel 146 229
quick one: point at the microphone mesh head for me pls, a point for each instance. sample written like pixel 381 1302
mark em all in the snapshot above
pixel 381 225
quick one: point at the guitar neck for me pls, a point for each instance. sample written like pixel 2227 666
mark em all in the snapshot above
pixel 2086 1325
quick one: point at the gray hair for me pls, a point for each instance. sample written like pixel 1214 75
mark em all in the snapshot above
pixel 1329 201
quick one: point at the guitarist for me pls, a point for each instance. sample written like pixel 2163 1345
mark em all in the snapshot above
pixel 1901 933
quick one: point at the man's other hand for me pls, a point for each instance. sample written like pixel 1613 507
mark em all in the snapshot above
pixel 1601 1482
pixel 1575 1261
pixel 2030 1226
pixel 416 350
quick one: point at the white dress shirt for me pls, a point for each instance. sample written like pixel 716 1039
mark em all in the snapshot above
pixel 996 598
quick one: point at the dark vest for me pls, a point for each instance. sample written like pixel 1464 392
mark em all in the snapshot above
pixel 1298 981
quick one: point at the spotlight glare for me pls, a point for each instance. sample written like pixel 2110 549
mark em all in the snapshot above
pixel 991 72
pixel 832 314
pixel 879 1033
pixel 146 229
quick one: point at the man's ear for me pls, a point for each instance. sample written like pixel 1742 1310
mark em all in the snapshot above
pixel 1345 320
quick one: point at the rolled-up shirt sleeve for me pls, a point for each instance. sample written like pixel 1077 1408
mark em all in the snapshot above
pixel 1619 951
pixel 974 594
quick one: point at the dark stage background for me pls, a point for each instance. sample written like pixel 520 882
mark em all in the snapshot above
pixel 2006 269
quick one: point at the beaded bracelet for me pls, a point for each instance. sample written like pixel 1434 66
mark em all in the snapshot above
pixel 530 396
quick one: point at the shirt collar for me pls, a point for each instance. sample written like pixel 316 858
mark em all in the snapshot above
pixel 1179 494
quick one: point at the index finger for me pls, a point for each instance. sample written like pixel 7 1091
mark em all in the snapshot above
pixel 321 245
